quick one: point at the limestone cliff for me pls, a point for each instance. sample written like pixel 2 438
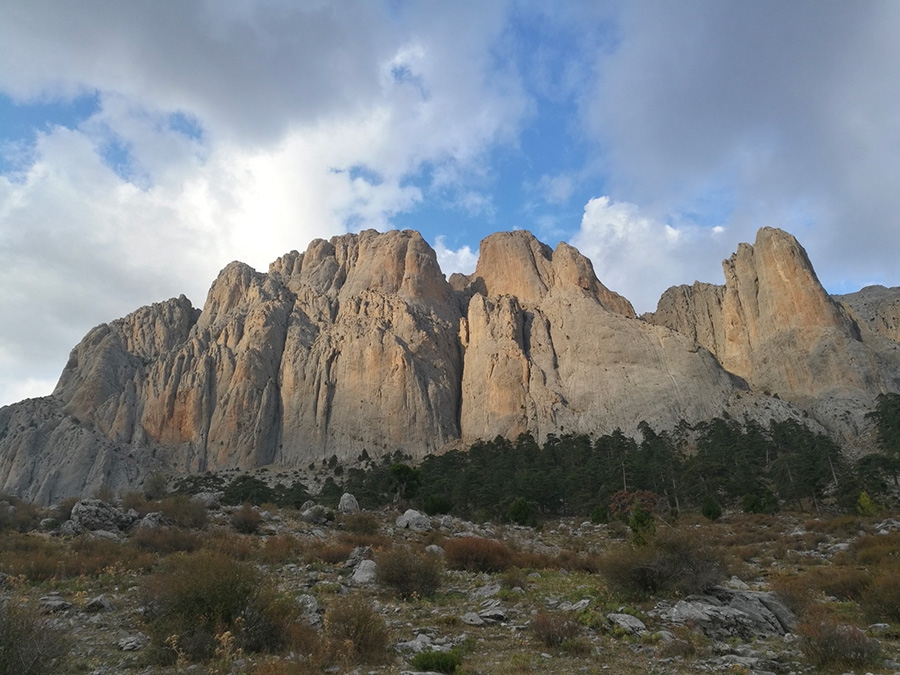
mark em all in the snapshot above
pixel 360 343
pixel 774 325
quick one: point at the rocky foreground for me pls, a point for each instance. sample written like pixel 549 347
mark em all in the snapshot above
pixel 780 594
pixel 360 344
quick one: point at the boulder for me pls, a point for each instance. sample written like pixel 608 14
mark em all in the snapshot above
pixel 348 504
pixel 725 613
pixel 414 520
pixel 365 573
pixel 95 514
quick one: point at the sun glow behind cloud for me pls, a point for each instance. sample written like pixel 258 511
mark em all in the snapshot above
pixel 144 146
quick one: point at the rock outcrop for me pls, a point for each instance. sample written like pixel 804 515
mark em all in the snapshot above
pixel 360 343
pixel 775 326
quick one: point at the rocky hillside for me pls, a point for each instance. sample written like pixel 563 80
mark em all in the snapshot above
pixel 360 343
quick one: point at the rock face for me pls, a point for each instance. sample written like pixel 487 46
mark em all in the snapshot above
pixel 773 324
pixel 360 343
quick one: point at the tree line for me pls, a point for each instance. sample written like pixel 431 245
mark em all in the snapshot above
pixel 720 463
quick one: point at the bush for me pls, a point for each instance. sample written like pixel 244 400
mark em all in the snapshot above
pixel 437 662
pixel 520 512
pixel 710 508
pixel 828 644
pixel 599 515
pixel 196 598
pixel 408 574
pixel 247 488
pixel 354 623
pixel 246 519
pixel 844 583
pixel 475 554
pixel 183 512
pixel 554 629
pixel 29 644
pixel 436 505
pixel 331 554
pixel 865 506
pixel 361 523
pixel 18 515
pixel 881 599
pixel 166 540
pixel 795 592
pixel 672 563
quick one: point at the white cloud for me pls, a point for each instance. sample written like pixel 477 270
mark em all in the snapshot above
pixel 793 105
pixel 461 260
pixel 312 121
pixel 640 256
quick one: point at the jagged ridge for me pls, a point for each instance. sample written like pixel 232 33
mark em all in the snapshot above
pixel 360 343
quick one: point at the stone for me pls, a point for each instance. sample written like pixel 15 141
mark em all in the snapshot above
pixel 310 608
pixel 317 515
pixel 95 514
pixel 412 519
pixel 365 573
pixel 210 500
pixel 472 619
pixel 630 624
pixel 99 603
pixel 435 550
pixel 50 604
pixel 725 613
pixel 348 504
pixel 487 591
pixel 151 521
pixel 133 643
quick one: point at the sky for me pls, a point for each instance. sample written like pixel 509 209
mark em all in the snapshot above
pixel 144 145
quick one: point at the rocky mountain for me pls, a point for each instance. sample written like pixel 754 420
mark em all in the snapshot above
pixel 360 343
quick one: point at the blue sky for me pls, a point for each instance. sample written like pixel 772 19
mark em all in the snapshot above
pixel 143 146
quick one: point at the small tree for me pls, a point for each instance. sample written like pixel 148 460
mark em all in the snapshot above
pixel 520 512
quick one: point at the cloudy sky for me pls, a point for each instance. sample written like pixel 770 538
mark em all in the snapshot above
pixel 144 145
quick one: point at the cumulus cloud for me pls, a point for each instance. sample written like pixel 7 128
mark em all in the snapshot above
pixel 305 120
pixel 791 104
pixel 461 260
pixel 640 257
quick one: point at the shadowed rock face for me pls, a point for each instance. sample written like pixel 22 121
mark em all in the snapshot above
pixel 361 344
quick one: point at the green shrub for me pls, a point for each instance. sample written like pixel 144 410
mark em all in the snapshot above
pixel 759 503
pixel 710 508
pixel 475 554
pixel 247 488
pixel 865 506
pixel 436 505
pixel 437 662
pixel 353 622
pixel 195 598
pixel 29 644
pixel 599 515
pixel 520 512
pixel 408 574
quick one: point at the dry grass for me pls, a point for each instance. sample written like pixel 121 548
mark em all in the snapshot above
pixel 673 563
pixel 476 554
pixel 554 629
pixel 410 575
pixel 354 623
pixel 827 643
